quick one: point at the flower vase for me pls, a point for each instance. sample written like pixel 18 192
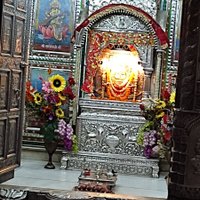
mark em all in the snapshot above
pixel 168 156
pixel 50 147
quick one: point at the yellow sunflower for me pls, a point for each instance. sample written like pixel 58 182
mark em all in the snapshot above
pixel 59 103
pixel 172 97
pixel 58 82
pixel 160 104
pixel 160 115
pixel 62 97
pixel 60 113
pixel 37 98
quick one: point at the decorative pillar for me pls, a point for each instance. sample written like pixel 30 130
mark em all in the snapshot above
pixel 147 82
pixel 184 174
pixel 162 14
pixel 79 51
pixel 158 75
pixel 173 29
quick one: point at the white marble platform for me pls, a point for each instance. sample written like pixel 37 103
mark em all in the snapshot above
pixel 33 174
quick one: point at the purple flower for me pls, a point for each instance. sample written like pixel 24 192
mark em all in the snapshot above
pixel 150 143
pixel 51 99
pixel 147 151
pixel 150 138
pixel 68 144
pixel 50 117
pixel 62 127
pixel 66 132
pixel 46 87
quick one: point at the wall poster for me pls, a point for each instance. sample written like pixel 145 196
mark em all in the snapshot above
pixel 53 25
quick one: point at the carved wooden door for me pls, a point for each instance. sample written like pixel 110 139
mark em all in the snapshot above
pixel 13 57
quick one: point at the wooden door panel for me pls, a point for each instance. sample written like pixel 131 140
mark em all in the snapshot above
pixel 13 40
pixel 2 138
pixel 20 24
pixel 8 150
pixel 16 89
pixel 10 87
pixel 13 130
pixel 21 4
pixel 7 33
pixel 8 164
pixel 4 83
pixel 10 2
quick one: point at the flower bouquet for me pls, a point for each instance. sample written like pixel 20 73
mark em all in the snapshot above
pixel 50 104
pixel 155 135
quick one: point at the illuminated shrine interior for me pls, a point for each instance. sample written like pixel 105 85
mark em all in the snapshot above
pixel 120 75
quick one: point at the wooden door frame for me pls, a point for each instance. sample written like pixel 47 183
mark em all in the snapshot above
pixel 1 11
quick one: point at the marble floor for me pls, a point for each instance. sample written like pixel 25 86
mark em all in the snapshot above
pixel 32 173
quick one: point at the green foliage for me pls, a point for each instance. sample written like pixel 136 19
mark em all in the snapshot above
pixel 145 127
pixel 48 130
pixel 75 144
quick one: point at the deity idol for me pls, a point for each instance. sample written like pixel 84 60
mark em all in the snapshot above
pixel 120 77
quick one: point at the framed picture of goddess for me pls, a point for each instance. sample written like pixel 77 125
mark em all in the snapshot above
pixel 53 25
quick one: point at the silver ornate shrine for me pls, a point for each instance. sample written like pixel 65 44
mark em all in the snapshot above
pixel 107 129
pixel 107 134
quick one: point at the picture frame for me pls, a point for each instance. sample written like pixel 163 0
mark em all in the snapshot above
pixel 53 26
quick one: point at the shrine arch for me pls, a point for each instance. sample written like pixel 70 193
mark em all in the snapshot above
pixel 153 34
pixel 160 37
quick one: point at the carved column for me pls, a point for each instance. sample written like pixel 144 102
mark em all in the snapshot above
pixel 147 83
pixel 185 165
pixel 158 72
